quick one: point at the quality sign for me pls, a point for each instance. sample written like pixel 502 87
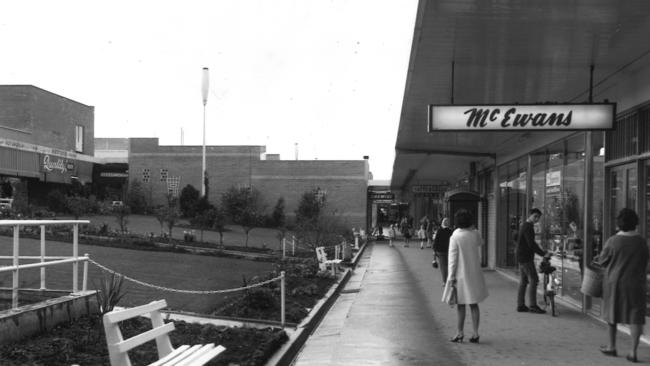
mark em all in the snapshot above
pixel 521 117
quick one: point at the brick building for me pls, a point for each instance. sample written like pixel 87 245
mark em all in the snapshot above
pixel 46 141
pixel 163 169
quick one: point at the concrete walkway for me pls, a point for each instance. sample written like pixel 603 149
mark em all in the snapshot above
pixel 390 313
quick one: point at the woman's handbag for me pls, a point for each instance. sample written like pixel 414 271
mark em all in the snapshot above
pixel 450 294
pixel 592 281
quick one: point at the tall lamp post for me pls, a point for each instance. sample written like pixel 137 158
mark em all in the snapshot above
pixel 204 89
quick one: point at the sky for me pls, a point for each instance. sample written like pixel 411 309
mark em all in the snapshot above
pixel 328 75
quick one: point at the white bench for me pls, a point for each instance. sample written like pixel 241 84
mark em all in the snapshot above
pixel 183 355
pixel 323 262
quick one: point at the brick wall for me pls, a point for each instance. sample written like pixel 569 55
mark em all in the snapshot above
pixel 345 182
pixel 33 115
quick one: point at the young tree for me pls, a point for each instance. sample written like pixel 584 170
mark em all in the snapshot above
pixel 160 212
pixel 315 226
pixel 121 214
pixel 278 219
pixel 172 213
pixel 245 208
pixel 204 220
pixel 135 197
pixel 219 222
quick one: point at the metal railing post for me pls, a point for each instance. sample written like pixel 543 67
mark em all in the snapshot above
pixel 282 298
pixel 293 246
pixel 14 289
pixel 75 253
pixel 84 284
pixel 42 256
pixel 284 246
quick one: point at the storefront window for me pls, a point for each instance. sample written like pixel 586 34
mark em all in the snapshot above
pixel 552 223
pixel 512 189
pixel 573 187
pixel 597 182
pixel 538 194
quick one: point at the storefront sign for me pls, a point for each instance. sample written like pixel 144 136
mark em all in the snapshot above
pixel 53 163
pixel 113 175
pixel 534 117
pixel 381 196
pixel 553 178
pixel 430 188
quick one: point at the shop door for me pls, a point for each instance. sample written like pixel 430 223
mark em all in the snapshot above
pixel 623 183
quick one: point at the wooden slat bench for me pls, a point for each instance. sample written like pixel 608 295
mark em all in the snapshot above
pixel 181 356
pixel 323 262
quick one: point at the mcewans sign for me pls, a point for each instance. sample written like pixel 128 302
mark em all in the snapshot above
pixel 518 117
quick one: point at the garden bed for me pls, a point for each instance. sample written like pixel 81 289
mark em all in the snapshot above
pixel 83 342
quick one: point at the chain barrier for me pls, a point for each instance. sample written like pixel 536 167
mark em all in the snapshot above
pixel 195 292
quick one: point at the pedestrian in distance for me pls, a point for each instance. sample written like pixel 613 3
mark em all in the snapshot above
pixel 405 229
pixel 624 259
pixel 422 236
pixel 465 273
pixel 392 234
pixel 526 250
pixel 430 225
pixel 441 248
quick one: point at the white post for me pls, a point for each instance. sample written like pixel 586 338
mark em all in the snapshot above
pixel 14 289
pixel 282 289
pixel 356 242
pixel 75 253
pixel 205 88
pixel 42 256
pixel 284 246
pixel 293 246
pixel 84 285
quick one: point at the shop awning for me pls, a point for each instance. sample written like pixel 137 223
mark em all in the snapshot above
pixel 504 53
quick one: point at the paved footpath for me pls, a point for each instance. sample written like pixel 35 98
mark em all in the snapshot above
pixel 390 313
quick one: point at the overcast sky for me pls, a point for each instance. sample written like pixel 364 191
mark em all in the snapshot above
pixel 326 74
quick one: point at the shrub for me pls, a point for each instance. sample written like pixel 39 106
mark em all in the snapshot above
pixel 187 200
pixel 56 201
pixel 109 292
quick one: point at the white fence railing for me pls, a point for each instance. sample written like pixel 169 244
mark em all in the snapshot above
pixel 44 261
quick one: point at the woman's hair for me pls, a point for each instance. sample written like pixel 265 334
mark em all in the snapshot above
pixel 627 220
pixel 463 218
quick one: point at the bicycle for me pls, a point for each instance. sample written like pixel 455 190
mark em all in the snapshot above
pixel 550 283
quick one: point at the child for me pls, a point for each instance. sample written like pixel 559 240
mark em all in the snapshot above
pixel 422 235
pixel 392 234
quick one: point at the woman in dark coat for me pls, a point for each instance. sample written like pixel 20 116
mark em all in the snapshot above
pixel 624 259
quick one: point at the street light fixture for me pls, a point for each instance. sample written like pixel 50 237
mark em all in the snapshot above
pixel 204 89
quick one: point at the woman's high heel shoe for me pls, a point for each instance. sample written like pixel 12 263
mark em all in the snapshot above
pixel 457 339
pixel 474 339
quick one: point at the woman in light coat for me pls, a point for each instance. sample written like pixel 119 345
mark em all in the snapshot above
pixel 624 257
pixel 465 271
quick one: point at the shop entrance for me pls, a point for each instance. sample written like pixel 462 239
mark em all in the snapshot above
pixel 623 183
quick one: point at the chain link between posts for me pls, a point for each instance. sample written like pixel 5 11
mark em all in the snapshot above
pixel 195 292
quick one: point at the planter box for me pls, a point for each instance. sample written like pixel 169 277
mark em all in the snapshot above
pixel 16 324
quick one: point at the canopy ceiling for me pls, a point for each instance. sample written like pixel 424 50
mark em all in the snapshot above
pixel 506 52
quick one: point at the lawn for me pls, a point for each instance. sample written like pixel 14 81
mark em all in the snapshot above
pixel 172 270
pixel 234 235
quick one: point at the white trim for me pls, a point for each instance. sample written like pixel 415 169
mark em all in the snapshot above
pixel 25 146
pixel 193 154
pixel 311 177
